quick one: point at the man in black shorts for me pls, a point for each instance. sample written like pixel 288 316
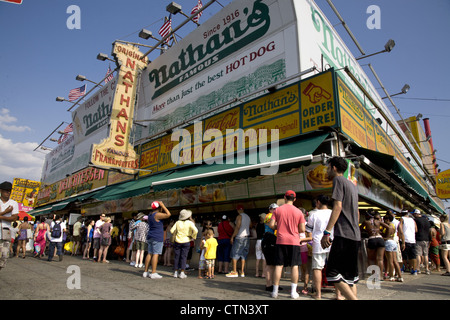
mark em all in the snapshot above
pixel 342 267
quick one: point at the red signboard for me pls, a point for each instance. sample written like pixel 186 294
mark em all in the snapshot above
pixel 13 1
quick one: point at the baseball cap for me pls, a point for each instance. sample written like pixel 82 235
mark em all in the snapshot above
pixel 417 211
pixel 155 205
pixel 239 207
pixel 6 186
pixel 273 206
pixel 290 193
pixel 224 217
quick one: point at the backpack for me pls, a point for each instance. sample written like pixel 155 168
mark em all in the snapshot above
pixel 56 230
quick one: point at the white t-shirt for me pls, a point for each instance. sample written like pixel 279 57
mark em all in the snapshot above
pixel 15 210
pixel 409 229
pixel 317 223
pixel 60 239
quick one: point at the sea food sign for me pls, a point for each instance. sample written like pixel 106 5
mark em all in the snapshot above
pixel 115 151
pixel 443 184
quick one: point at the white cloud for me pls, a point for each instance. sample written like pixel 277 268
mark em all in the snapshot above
pixel 7 122
pixel 18 160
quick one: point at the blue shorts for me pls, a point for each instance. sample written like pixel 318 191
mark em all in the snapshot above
pixel 155 247
pixel 240 248
pixel 391 246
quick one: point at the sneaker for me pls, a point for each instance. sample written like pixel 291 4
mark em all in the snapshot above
pixel 155 276
pixel 243 275
pixel 182 275
pixel 145 275
pixel 399 280
pixel 232 275
pixel 132 263
pixel 295 295
pixel 175 274
pixel 274 295
pixel 414 272
pixel 427 272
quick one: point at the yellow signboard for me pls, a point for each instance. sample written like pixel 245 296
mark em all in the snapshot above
pixel 25 191
pixel 270 106
pixel 75 184
pixel 443 184
pixel 296 109
pixel 318 106
pixel 115 151
pixel 352 115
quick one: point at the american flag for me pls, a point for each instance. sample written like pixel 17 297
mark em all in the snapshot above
pixel 166 28
pixel 65 134
pixel 76 93
pixel 109 75
pixel 195 9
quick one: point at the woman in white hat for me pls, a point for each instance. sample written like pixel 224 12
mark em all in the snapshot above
pixel 184 230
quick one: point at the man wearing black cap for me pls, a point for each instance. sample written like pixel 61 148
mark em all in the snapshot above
pixel 9 212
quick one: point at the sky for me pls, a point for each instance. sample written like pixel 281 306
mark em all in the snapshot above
pixel 40 58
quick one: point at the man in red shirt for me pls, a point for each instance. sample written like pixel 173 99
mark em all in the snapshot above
pixel 289 222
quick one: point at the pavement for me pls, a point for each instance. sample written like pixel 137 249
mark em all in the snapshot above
pixel 74 279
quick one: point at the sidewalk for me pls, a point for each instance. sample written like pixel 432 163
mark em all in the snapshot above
pixel 77 279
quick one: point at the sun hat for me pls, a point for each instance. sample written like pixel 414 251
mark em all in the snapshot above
pixel 185 214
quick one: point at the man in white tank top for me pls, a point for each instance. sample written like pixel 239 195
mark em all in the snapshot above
pixel 240 241
pixel 408 236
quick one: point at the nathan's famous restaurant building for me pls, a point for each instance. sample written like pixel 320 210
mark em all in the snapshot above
pixel 250 104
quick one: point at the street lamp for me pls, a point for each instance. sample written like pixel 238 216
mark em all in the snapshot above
pixel 146 34
pixel 175 8
pixel 83 78
pixel 387 48
pixel 431 154
pixel 404 90
pixel 61 99
pixel 103 57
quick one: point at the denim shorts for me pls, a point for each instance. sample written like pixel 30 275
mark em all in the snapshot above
pixel 391 246
pixel 240 248
pixel 155 247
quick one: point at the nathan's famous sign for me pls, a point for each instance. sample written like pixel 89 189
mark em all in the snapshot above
pixel 243 28
pixel 116 151
pixel 247 45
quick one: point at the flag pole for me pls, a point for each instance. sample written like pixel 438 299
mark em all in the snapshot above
pixel 177 28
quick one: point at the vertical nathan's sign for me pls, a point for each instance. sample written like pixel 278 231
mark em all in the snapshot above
pixel 115 151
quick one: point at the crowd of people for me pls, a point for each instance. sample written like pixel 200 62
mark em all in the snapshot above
pixel 323 244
